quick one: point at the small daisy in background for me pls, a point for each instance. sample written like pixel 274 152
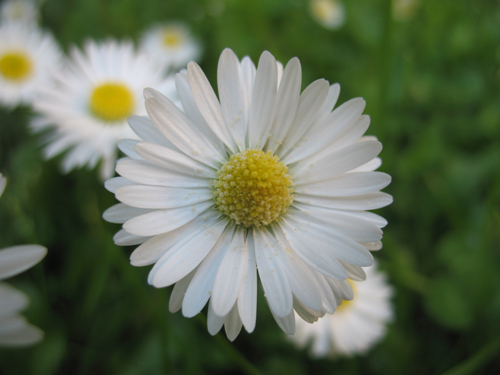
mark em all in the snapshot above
pixel 172 44
pixel 404 9
pixel 328 13
pixel 357 324
pixel 90 100
pixel 267 179
pixel 25 11
pixel 28 58
pixel 14 328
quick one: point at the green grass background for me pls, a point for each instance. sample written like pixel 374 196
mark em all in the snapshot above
pixel 432 89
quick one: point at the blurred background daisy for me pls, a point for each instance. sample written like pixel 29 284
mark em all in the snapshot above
pixel 356 325
pixel 90 100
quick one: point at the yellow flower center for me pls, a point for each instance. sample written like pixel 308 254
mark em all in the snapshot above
pixel 15 66
pixel 172 38
pixel 112 102
pixel 346 303
pixel 253 188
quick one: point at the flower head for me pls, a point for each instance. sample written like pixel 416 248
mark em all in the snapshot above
pixel 171 44
pixel 356 325
pixel 19 11
pixel 28 58
pixel 328 13
pixel 264 177
pixel 90 100
pixel 14 329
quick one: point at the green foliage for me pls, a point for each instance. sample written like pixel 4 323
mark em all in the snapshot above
pixel 431 86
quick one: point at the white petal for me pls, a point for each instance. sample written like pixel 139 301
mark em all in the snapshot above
pixel 327 130
pixel 355 225
pixel 173 160
pixel 147 131
pixel 178 128
pixel 337 162
pixel 124 238
pixel 247 296
pixel 315 233
pixel 306 247
pixel 209 105
pixel 192 110
pixel 17 259
pixel 233 324
pixel 308 315
pixel 230 274
pixel 345 185
pixel 24 334
pixel 372 246
pixel 301 278
pixel 358 202
pixel 287 323
pixel 232 96
pixel 263 99
pixel 248 69
pixel 368 167
pixel 214 321
pixel 200 288
pixel 310 101
pixel 11 299
pixel 3 183
pixel 153 249
pixel 120 213
pixel 116 182
pixel 272 274
pixel 127 147
pixel 178 292
pixel 146 173
pixel 162 221
pixel 354 272
pixel 286 104
pixel 185 256
pixel 161 197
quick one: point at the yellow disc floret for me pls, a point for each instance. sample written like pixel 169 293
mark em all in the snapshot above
pixel 15 66
pixel 253 188
pixel 112 102
pixel 172 37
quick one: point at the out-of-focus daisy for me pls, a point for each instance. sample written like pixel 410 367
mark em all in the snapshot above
pixel 356 325
pixel 403 9
pixel 171 44
pixel 28 57
pixel 91 99
pixel 14 328
pixel 328 13
pixel 267 178
pixel 19 11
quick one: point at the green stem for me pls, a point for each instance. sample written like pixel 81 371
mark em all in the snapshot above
pixel 474 364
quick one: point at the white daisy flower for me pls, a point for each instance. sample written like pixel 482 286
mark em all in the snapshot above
pixel 266 178
pixel 356 325
pixel 28 57
pixel 19 11
pixel 404 9
pixel 14 328
pixel 91 99
pixel 328 13
pixel 171 44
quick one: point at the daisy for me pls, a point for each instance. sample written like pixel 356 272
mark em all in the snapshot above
pixel 328 13
pixel 356 325
pixel 90 100
pixel 14 329
pixel 267 178
pixel 171 44
pixel 19 11
pixel 404 9
pixel 28 57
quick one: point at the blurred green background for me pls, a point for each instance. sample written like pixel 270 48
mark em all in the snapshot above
pixel 431 82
